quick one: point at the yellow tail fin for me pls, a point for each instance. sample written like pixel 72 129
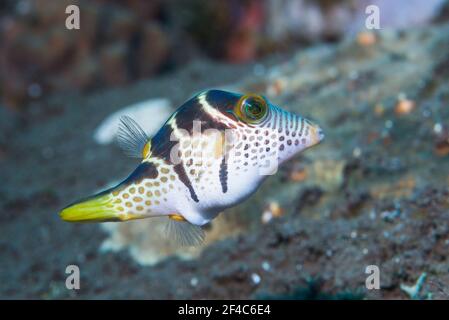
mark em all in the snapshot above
pixel 95 209
pixel 99 208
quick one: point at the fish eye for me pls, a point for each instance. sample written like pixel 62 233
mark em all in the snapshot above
pixel 253 108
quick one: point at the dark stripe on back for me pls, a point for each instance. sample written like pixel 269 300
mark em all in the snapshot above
pixel 223 101
pixel 191 111
pixel 161 145
pixel 182 175
pixel 145 170
pixel 223 175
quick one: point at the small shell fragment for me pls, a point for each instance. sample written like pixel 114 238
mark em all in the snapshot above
pixel 366 38
pixel 442 148
pixel 404 106
pixel 255 278
pixel 273 210
pixel 266 266
pixel 277 87
pixel 379 109
pixel 298 175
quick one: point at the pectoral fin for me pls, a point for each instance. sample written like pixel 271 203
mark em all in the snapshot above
pixel 184 233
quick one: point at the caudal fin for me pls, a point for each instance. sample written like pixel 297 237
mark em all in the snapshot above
pixel 98 208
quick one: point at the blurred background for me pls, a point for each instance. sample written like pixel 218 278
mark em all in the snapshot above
pixel 376 192
pixel 122 41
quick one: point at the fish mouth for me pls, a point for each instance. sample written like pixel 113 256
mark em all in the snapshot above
pixel 320 134
pixel 316 134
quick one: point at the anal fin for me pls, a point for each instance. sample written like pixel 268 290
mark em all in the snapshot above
pixel 183 232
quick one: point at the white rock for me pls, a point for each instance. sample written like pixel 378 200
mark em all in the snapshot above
pixel 255 278
pixel 266 266
pixel 150 115
pixel 194 282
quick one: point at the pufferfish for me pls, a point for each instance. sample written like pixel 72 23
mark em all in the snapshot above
pixel 211 154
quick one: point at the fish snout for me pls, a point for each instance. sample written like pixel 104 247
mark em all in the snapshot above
pixel 314 133
pixel 320 134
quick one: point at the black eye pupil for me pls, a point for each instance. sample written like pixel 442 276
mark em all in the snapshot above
pixel 255 108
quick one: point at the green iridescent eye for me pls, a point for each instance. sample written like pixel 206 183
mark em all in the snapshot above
pixel 253 108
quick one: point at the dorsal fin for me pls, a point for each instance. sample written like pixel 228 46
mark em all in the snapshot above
pixel 132 139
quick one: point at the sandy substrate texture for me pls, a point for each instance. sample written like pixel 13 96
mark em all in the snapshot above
pixel 374 193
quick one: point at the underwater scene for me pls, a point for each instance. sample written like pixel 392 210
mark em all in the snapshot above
pixel 253 149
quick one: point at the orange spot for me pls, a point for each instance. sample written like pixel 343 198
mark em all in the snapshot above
pixel 404 106
pixel 176 217
pixel 273 210
pixel 298 175
pixel 442 148
pixel 366 38
pixel 379 109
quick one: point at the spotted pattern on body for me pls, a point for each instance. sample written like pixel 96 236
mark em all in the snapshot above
pixel 212 153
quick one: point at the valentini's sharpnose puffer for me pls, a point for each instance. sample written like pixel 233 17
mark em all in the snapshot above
pixel 211 154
